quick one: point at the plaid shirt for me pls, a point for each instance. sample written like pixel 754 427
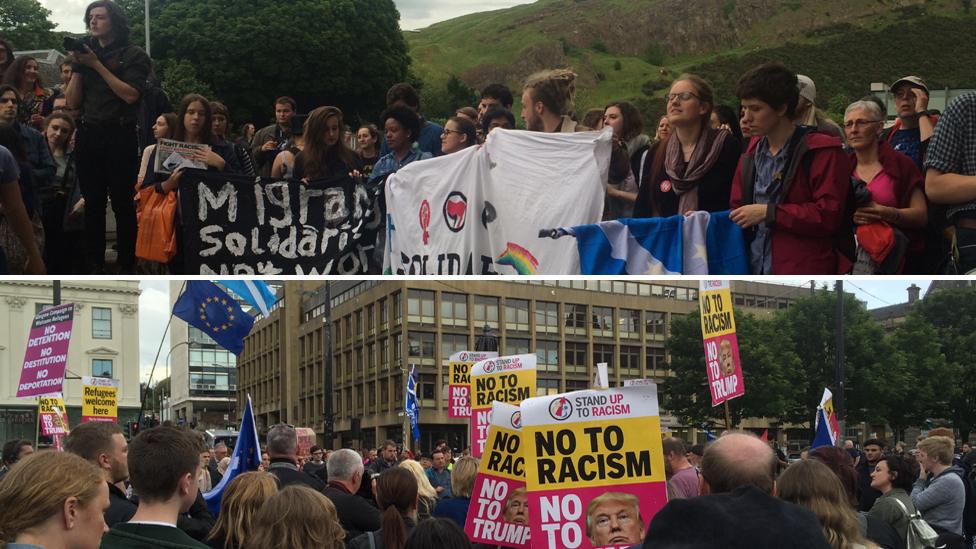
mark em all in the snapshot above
pixel 953 146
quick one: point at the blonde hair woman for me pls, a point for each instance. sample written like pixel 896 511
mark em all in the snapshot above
pixel 813 485
pixel 462 484
pixel 53 500
pixel 242 499
pixel 297 517
pixel 426 495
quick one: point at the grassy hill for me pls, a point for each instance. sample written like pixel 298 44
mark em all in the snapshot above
pixel 632 49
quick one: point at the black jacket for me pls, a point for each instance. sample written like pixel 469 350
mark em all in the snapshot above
pixel 287 474
pixel 120 508
pixel 355 513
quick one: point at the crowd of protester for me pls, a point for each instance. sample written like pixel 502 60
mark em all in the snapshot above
pixel 736 491
pixel 813 196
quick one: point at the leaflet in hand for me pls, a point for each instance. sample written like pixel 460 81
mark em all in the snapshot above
pixel 172 155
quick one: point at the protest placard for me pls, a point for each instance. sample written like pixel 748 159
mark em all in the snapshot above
pixel 240 225
pixel 99 399
pixel 172 155
pixel 53 416
pixel 459 389
pixel 499 512
pixel 46 356
pixel 509 379
pixel 721 345
pixel 594 467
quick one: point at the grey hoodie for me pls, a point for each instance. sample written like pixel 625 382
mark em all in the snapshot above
pixel 941 500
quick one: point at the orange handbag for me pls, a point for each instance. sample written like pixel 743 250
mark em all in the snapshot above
pixel 156 215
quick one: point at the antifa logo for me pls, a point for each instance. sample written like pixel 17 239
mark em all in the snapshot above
pixel 488 214
pixel 455 210
pixel 517 419
pixel 489 366
pixel 560 409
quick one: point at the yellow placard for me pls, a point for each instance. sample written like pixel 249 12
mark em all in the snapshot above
pixel 511 387
pixel 595 454
pixel 503 455
pixel 460 373
pixel 716 313
pixel 99 403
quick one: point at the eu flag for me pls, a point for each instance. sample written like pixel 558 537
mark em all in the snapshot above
pixel 246 457
pixel 208 308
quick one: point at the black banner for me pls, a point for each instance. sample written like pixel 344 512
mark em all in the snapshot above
pixel 240 225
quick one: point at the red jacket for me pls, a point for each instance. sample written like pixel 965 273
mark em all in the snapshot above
pixel 809 224
pixel 902 170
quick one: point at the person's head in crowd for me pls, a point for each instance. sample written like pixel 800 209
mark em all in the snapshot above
pixel 194 120
pixel 396 496
pixel 907 92
pixel 58 128
pixel 497 117
pixel 24 74
pixel 690 104
pixel 102 443
pixel 812 485
pixel 426 461
pixel 220 124
pixel 9 103
pixel 285 109
pixel 462 477
pixel 546 97
pixel 893 472
pixel 282 442
pixel 164 465
pixel 346 467
pixel 935 453
pixel 54 497
pixel 769 96
pixel 316 454
pixel 966 448
pixel 459 134
pixel 220 451
pixel 248 131
pixel 403 95
pixel 942 432
pixel 737 459
pixel 593 119
pixel 17 449
pixel 265 461
pixel 495 95
pixel 323 142
pixel 806 105
pixel 297 517
pixel 371 454
pixel 367 138
pixel 863 125
pixel 424 488
pixel 64 72
pixel 439 459
pixel 663 131
pixel 401 126
pixel 724 116
pixel 839 461
pixel 438 532
pixel 240 503
pixel 165 126
pixel 470 113
pixel 613 518
pixel 744 124
pixel 106 22
pixel 805 453
pixel 347 136
pixel 6 55
pixel 695 453
pixel 517 507
pixel 873 449
pixel 848 444
pixel 625 119
pixel 59 104
pixel 675 455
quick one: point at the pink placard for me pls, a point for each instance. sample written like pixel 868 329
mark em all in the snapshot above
pixel 47 352
pixel 724 368
pixel 499 512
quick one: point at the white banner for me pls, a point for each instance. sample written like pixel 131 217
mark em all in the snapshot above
pixel 480 211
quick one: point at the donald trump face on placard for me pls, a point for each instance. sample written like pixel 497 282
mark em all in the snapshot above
pixel 613 518
pixel 517 507
pixel 725 356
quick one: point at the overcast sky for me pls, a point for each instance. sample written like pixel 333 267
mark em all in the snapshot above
pixel 154 311
pixel 414 14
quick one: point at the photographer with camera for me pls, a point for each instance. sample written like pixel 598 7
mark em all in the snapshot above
pixel 271 140
pixel 108 80
pixel 889 197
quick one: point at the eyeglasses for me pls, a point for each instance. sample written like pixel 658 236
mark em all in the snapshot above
pixel 683 96
pixel 851 124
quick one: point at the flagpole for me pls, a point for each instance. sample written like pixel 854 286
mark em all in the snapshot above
pixel 145 393
pixel 728 417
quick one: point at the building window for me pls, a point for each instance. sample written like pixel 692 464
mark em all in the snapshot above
pixel 101 367
pixel 384 314
pixel 485 311
pixel 385 394
pixel 101 323
pixel 371 359
pixel 630 361
pixel 576 357
pixel 370 320
pixel 654 323
pixel 546 317
pixel 454 309
pixel 547 387
pixel 359 324
pixel 603 321
pixel 420 306
pixel 384 358
pixel 654 358
pixel 427 390
pixel 397 307
pixel 547 356
pixel 575 319
pixel 516 346
pixel 452 343
pixel 629 323
pixel 517 315
pixel 421 347
pixel 397 350
pixel 577 385
pixel 603 353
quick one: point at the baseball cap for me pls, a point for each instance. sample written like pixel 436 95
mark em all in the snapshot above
pixel 807 88
pixel 913 80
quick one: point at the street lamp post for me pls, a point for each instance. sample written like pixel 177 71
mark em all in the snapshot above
pixel 147 28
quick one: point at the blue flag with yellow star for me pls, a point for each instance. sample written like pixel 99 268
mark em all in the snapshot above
pixel 208 308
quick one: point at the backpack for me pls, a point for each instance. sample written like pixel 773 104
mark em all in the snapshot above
pixel 920 534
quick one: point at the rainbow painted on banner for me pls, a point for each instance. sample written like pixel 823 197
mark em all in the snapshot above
pixel 520 259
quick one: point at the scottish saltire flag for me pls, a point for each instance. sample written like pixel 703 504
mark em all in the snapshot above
pixel 255 292
pixel 410 406
pixel 698 244
pixel 246 457
pixel 206 307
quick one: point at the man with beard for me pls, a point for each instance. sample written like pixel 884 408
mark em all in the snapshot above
pixel 548 98
pixel 682 476
pixel 103 444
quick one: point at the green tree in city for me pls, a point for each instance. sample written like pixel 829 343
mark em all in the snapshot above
pixel 26 25
pixel 768 364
